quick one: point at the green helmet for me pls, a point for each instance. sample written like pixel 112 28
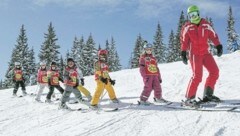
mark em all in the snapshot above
pixel 195 19
pixel 192 9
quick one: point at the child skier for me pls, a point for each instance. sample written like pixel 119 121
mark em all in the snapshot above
pixel 151 76
pixel 103 80
pixel 53 81
pixel 195 35
pixel 18 78
pixel 71 81
pixel 81 88
pixel 42 80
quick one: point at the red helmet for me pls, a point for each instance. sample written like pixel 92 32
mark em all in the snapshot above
pixel 102 52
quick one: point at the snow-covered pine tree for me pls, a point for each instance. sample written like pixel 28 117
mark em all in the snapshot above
pixel 32 67
pixel 68 55
pixel 130 61
pixel 110 58
pixel 77 54
pixel 210 43
pixel 107 47
pixel 81 63
pixel 158 46
pixel 20 54
pixel 1 85
pixel 113 58
pixel 177 42
pixel 49 49
pixel 61 66
pixel 99 47
pixel 171 47
pixel 233 37
pixel 138 50
pixel 8 78
pixel 75 51
pixel 89 56
pixel 118 65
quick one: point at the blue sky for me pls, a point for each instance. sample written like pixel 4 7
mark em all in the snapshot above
pixel 122 19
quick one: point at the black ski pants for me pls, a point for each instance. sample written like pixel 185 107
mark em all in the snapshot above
pixel 51 90
pixel 16 86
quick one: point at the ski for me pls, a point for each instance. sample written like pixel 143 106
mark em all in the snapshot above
pixel 209 108
pixel 154 104
pixel 98 110
pixel 109 109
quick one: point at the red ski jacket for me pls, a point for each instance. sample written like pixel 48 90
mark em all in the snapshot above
pixel 42 76
pixel 148 66
pixel 195 37
pixel 70 76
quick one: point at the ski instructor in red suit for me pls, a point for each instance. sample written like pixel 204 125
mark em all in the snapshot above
pixel 195 35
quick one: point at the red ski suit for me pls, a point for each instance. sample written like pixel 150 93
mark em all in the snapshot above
pixel 194 38
pixel 151 77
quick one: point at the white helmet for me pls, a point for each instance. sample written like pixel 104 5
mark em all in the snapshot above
pixel 42 63
pixel 17 63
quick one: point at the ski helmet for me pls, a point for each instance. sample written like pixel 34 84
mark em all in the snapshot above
pixel 193 13
pixel 102 52
pixel 148 46
pixel 17 63
pixel 70 59
pixel 53 63
pixel 42 63
pixel 192 9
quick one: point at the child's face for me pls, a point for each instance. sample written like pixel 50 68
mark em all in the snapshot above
pixel 53 67
pixel 43 66
pixel 102 57
pixel 148 50
pixel 70 64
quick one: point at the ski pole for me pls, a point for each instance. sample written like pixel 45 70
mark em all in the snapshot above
pixel 103 94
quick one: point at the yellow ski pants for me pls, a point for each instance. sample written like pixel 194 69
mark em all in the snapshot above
pixel 99 90
pixel 83 90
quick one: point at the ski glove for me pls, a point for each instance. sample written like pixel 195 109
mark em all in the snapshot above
pixel 82 81
pixel 112 81
pixel 219 50
pixel 104 80
pixel 160 80
pixel 184 57
pixel 60 79
pixel 23 79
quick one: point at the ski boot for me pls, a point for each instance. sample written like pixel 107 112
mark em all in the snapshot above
pixel 145 103
pixel 14 95
pixel 94 107
pixel 63 106
pixel 209 97
pixel 24 93
pixel 48 101
pixel 192 103
pixel 115 100
pixel 160 100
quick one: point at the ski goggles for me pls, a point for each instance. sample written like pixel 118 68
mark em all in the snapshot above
pixel 148 49
pixel 193 14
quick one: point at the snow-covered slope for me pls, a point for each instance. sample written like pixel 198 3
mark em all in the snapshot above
pixel 24 117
